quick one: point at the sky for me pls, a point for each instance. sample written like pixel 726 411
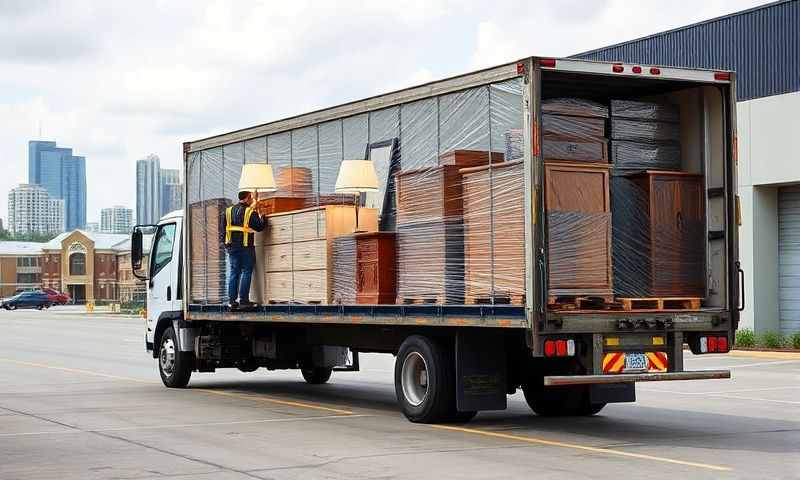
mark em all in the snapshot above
pixel 118 80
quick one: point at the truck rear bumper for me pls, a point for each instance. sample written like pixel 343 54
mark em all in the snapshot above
pixel 635 377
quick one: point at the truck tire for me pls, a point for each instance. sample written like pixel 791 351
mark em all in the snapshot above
pixel 560 401
pixel 424 381
pixel 316 375
pixel 174 366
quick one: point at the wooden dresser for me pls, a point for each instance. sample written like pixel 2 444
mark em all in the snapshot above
pixel 376 272
pixel 296 251
pixel 579 229
pixel 659 225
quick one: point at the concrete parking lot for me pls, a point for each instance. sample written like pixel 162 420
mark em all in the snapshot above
pixel 81 399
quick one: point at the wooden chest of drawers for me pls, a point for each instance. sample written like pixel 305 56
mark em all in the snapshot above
pixel 579 229
pixel 659 225
pixel 429 193
pixel 207 251
pixel 296 251
pixel 376 272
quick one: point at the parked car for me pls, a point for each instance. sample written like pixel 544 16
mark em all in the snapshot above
pixel 55 297
pixel 37 299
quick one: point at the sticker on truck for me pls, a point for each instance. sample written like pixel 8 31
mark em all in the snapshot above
pixel 622 362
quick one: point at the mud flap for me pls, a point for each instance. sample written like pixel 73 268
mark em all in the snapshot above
pixel 480 371
pixel 612 393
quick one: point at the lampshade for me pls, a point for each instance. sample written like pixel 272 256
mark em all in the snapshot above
pixel 357 176
pixel 257 176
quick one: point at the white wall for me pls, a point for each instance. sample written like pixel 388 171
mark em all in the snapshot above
pixel 769 155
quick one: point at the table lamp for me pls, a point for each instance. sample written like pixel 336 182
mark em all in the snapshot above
pixel 255 177
pixel 356 176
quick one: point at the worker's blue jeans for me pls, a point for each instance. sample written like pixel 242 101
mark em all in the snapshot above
pixel 241 262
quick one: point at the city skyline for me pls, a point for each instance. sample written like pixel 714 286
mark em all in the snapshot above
pixel 63 175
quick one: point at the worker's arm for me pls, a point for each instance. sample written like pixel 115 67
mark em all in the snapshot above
pixel 257 222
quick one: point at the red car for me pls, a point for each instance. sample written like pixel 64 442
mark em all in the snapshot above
pixel 55 297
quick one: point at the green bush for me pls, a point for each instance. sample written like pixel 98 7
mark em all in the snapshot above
pixel 795 341
pixel 745 338
pixel 772 340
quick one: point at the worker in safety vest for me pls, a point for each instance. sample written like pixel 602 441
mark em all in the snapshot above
pixel 241 222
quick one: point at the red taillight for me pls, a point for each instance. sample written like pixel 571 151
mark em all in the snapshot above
pixel 547 62
pixel 617 68
pixel 655 71
pixel 561 348
pixel 549 348
pixel 722 75
pixel 722 344
pixel 636 69
pixel 712 344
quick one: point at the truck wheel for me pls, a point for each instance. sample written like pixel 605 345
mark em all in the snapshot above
pixel 560 401
pixel 424 381
pixel 317 375
pixel 174 366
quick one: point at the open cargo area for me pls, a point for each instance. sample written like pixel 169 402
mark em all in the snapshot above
pixel 631 212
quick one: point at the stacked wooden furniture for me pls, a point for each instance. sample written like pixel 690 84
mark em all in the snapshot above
pixel 579 230
pixel 207 251
pixel 577 199
pixel 659 219
pixel 364 269
pixel 430 238
pixel 296 251
pixel 494 233
pixel 645 136
pixel 271 205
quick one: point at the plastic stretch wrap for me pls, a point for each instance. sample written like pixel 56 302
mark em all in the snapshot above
pixel 642 110
pixel 645 156
pixel 658 230
pixel 579 107
pixel 343 254
pixel 644 131
pixel 578 251
pixel 571 127
pixel 554 148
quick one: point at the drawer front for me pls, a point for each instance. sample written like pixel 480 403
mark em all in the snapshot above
pixel 279 229
pixel 278 258
pixel 367 250
pixel 311 286
pixel 311 255
pixel 309 225
pixel 278 286
pixel 367 277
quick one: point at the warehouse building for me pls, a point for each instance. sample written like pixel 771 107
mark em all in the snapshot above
pixel 763 46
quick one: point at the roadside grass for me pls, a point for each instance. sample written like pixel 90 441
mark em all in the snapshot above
pixel 747 338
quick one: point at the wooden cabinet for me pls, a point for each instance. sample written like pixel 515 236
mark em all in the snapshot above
pixel 375 268
pixel 271 205
pixel 579 229
pixel 662 216
pixel 295 251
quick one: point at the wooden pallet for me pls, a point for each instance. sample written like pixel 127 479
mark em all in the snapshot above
pixel 660 303
pixel 494 300
pixel 432 300
pixel 582 303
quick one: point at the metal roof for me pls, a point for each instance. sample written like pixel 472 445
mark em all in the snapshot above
pixel 12 248
pixel 102 241
pixel 761 44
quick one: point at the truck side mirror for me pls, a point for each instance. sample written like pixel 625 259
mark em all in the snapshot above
pixel 136 249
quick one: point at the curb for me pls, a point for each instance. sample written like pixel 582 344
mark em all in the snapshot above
pixel 763 354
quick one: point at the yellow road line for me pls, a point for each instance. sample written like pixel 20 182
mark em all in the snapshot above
pixel 759 354
pixel 606 451
pixel 312 406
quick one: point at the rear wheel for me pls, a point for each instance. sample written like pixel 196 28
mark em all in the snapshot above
pixel 424 381
pixel 317 375
pixel 174 366
pixel 560 401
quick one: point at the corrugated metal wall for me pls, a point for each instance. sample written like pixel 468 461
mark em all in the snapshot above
pixel 762 45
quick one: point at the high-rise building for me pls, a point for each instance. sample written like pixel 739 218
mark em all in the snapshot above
pixel 93 227
pixel 63 175
pixel 148 190
pixel 31 209
pixel 116 219
pixel 171 191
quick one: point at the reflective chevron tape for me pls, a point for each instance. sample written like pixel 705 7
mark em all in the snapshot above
pixel 657 361
pixel 613 362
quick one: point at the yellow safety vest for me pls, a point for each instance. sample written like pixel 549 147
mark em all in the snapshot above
pixel 245 229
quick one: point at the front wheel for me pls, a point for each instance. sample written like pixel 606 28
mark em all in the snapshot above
pixel 174 366
pixel 316 376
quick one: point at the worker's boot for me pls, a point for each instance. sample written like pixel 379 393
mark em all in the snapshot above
pixel 233 306
pixel 247 305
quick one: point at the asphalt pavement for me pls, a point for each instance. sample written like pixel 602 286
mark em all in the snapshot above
pixel 81 399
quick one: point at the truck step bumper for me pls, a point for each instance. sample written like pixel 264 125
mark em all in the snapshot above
pixel 635 377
